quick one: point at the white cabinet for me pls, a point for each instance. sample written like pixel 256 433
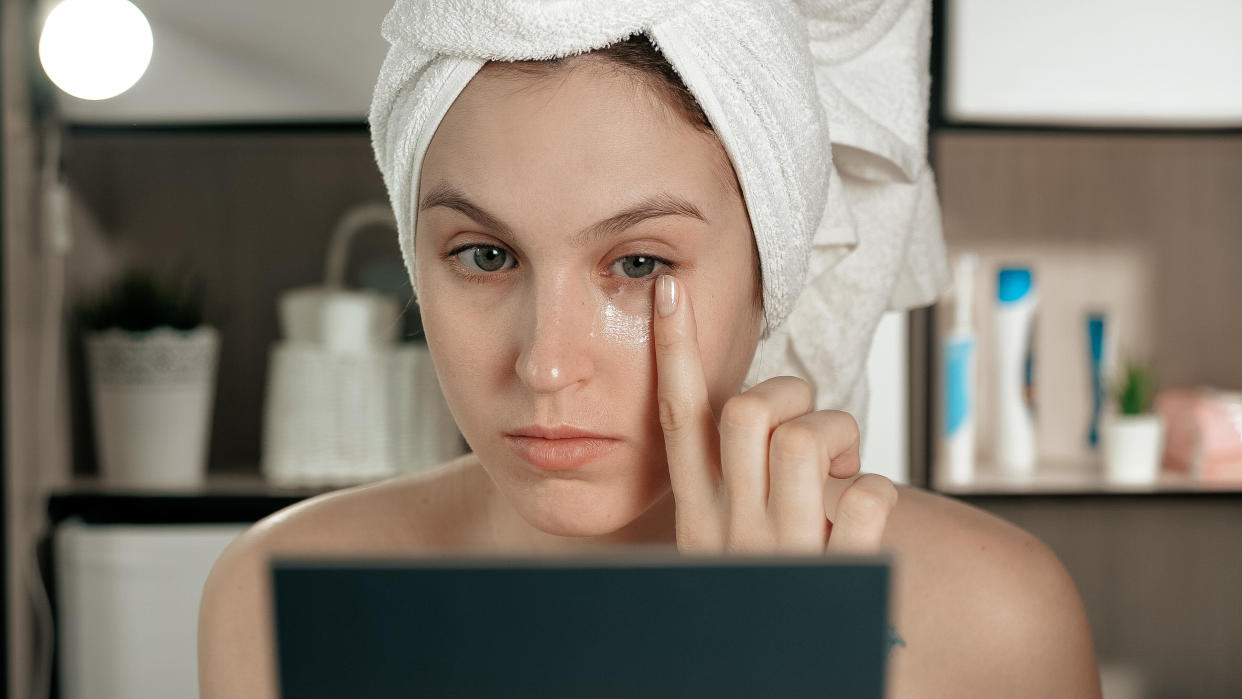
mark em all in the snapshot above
pixel 127 606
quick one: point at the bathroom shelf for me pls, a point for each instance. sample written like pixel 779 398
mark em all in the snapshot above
pixel 1054 478
pixel 223 498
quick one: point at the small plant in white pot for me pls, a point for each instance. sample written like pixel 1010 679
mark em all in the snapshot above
pixel 152 366
pixel 1133 438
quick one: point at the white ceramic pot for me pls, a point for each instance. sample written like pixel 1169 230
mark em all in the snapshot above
pixel 1132 446
pixel 152 394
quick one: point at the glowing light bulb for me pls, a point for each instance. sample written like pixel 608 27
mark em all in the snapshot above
pixel 95 49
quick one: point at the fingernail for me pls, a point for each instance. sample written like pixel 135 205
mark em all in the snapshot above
pixel 666 295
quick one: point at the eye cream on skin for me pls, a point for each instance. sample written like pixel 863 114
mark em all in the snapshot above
pixel 623 318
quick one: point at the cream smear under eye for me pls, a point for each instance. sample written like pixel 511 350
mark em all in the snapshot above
pixel 623 318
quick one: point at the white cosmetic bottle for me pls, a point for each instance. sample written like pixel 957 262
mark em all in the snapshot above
pixel 957 449
pixel 1017 300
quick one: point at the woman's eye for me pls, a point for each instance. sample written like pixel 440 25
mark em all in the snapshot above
pixel 636 266
pixel 485 258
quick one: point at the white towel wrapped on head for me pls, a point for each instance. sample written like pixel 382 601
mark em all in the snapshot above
pixel 820 104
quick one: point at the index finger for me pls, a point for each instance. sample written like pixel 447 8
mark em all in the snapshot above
pixel 690 439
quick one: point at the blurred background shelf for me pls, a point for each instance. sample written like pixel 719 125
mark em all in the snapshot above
pixel 1070 477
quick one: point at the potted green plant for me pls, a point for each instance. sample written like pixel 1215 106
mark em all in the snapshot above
pixel 151 365
pixel 1132 438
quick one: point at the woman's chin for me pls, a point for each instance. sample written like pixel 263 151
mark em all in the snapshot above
pixel 578 508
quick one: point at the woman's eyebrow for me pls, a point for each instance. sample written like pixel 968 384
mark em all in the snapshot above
pixel 653 206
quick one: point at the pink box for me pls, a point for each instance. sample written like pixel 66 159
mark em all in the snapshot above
pixel 1203 433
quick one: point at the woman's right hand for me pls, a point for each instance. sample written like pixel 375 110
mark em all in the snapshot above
pixel 776 476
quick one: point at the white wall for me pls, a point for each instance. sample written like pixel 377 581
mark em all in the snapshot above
pixel 1098 62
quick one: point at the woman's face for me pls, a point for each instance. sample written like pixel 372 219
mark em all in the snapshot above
pixel 536 297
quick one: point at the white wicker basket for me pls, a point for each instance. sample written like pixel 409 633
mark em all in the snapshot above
pixel 345 405
pixel 336 419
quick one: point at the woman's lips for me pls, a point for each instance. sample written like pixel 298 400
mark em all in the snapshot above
pixel 559 449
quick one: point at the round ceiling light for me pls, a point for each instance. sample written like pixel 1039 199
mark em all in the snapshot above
pixel 95 49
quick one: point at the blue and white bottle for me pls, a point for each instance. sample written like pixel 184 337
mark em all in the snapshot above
pixel 1017 300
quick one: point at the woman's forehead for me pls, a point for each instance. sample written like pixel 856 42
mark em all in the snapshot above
pixel 578 130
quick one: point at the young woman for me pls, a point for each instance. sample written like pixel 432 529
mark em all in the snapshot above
pixel 591 292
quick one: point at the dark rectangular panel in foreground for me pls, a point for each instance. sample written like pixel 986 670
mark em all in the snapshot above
pixel 592 628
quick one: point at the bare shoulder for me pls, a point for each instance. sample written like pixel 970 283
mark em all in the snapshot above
pixel 984 608
pixel 403 515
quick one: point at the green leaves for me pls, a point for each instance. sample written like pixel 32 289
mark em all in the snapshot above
pixel 140 301
pixel 1136 390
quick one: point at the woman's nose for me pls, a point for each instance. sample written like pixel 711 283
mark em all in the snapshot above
pixel 556 352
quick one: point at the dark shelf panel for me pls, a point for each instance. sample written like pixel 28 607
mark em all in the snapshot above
pixel 225 500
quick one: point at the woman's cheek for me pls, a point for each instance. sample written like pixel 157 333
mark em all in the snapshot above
pixel 727 340
pixel 462 337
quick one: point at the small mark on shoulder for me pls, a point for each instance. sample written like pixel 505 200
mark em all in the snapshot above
pixel 894 639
